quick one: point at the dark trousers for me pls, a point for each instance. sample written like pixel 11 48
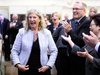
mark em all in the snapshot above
pixel 62 62
pixel 7 48
pixel 34 72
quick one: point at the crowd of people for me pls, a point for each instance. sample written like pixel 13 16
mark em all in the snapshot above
pixel 8 32
pixel 73 44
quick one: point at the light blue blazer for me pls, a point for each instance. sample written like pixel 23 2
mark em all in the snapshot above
pixel 23 44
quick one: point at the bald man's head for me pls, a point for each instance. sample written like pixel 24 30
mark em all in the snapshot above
pixel 15 17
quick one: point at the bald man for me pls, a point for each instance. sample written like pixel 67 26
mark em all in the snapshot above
pixel 14 26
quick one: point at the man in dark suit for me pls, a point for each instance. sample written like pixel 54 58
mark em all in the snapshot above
pixel 14 26
pixel 75 30
pixel 3 29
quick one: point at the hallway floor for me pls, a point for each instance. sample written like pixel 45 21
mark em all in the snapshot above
pixel 10 69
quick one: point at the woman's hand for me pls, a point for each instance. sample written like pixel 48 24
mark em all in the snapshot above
pixel 83 54
pixel 43 69
pixel 23 68
pixel 91 39
pixel 66 38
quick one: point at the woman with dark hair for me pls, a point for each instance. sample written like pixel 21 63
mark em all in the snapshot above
pixel 92 64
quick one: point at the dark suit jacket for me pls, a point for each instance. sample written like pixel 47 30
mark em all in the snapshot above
pixel 5 27
pixel 76 34
pixel 13 31
pixel 77 63
pixel 90 68
pixel 57 37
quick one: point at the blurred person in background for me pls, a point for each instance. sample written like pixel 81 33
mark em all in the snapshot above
pixel 3 30
pixel 66 18
pixel 47 21
pixel 92 11
pixel 14 26
pixel 55 22
pixel 57 30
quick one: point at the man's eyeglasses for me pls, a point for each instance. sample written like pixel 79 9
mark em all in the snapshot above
pixel 77 9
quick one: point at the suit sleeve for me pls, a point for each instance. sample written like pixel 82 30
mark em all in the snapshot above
pixel 96 63
pixel 52 50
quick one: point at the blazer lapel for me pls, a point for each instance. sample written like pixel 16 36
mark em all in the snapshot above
pixel 79 23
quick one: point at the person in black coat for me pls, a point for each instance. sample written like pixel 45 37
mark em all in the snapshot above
pixel 63 67
pixel 75 30
pixel 14 26
pixel 3 30
pixel 57 30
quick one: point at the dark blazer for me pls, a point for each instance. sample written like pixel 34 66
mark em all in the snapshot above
pixel 78 63
pixel 76 34
pixel 57 37
pixel 90 68
pixel 50 27
pixel 5 27
pixel 72 20
pixel 13 31
pixel 6 41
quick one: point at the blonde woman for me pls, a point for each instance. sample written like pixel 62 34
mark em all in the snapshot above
pixel 29 52
pixel 92 11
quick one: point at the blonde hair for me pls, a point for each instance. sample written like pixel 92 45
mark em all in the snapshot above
pixel 41 25
pixel 59 16
pixel 95 10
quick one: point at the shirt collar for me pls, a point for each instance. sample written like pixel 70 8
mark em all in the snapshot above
pixel 16 21
pixel 79 19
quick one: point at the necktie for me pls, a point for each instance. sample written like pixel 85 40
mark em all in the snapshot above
pixel 75 24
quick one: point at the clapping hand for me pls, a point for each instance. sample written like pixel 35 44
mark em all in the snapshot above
pixel 67 26
pixel 91 39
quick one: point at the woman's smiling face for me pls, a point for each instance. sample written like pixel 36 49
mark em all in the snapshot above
pixel 33 21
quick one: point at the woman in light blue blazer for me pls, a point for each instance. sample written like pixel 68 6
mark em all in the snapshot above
pixel 29 52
